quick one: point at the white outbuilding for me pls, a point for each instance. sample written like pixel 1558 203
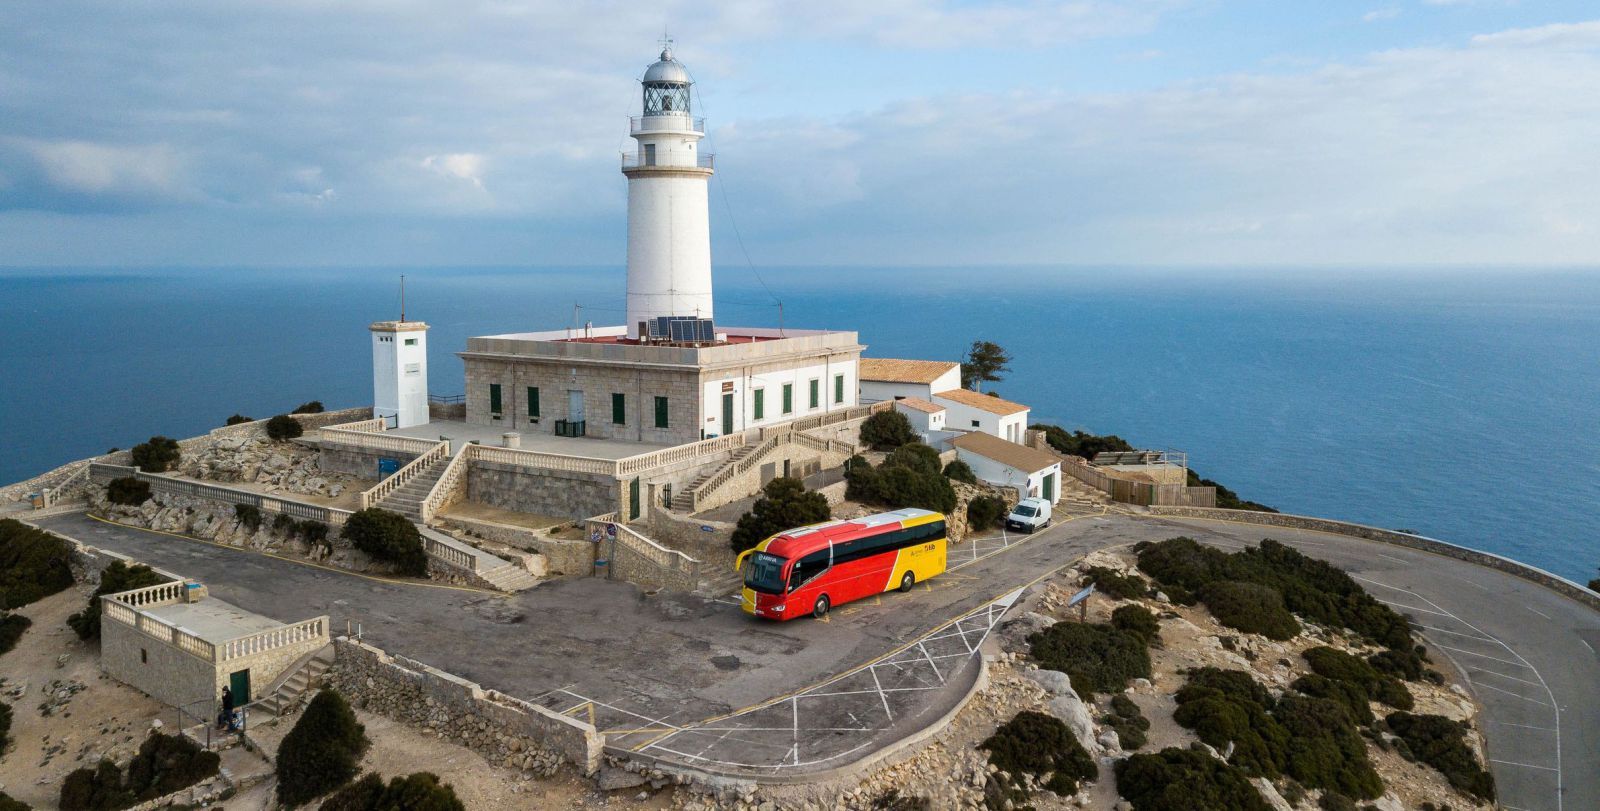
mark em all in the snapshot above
pixel 971 411
pixel 1035 473
pixel 925 417
pixel 895 379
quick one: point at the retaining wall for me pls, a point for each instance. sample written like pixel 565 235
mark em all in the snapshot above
pixel 351 460
pixel 505 730
pixel 562 493
pixel 1553 582
pixel 565 557
pixel 685 534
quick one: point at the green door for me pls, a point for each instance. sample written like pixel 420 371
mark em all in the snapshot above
pixel 633 500
pixel 1050 488
pixel 727 414
pixel 239 683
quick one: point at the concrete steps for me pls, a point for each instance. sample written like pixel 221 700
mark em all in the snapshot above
pixel 408 499
pixel 510 577
pixel 683 500
pixel 720 584
pixel 292 689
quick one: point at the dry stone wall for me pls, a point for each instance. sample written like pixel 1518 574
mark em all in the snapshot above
pixel 558 493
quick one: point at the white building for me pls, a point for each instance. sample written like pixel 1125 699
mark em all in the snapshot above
pixel 400 372
pixel 925 417
pixel 1035 473
pixel 971 411
pixel 893 378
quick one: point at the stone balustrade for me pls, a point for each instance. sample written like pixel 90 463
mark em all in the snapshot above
pixel 398 479
pixel 263 641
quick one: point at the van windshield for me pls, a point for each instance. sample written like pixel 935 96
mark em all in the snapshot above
pixel 764 573
pixel 1025 511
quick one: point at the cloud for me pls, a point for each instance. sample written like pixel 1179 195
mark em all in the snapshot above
pixel 466 166
pixel 1380 15
pixel 1564 36
pixel 91 168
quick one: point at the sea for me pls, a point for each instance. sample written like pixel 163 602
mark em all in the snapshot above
pixel 1463 404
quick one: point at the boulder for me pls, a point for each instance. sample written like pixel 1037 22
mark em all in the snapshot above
pixel 614 779
pixel 1075 714
pixel 1053 681
pixel 1269 794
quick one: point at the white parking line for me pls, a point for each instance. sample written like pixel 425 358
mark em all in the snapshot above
pixel 1504 676
pixel 1523 726
pixel 1412 608
pixel 1457 633
pixel 1537 611
pixel 1525 766
pixel 1513 695
pixel 1483 656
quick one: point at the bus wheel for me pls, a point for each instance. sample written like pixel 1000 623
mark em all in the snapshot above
pixel 907 582
pixel 820 610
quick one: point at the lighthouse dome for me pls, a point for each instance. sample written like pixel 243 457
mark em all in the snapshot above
pixel 667 70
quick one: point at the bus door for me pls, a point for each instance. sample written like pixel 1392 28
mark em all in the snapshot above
pixel 806 582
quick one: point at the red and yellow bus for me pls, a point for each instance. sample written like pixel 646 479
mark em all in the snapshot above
pixel 808 570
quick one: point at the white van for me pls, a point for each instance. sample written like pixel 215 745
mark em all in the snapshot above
pixel 1029 515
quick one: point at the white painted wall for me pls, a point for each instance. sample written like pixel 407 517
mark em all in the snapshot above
pixel 1012 428
pixel 400 374
pixel 873 391
pixel 996 473
pixel 921 421
pixel 771 382
pixel 669 230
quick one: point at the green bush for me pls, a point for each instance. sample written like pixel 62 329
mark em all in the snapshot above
pixel 785 504
pixel 313 407
pixel 239 418
pixel 1334 801
pixel 1138 621
pixel 985 512
pixel 33 564
pixel 915 456
pixel 887 429
pixel 1040 745
pixel 909 477
pixel 312 532
pixel 1351 695
pixel 5 726
pixel 1099 658
pixel 420 791
pixel 321 753
pixel 1079 443
pixel 283 523
pixel 9 803
pixel 1326 749
pixel 960 471
pixel 1185 780
pixel 1340 666
pixel 1128 721
pixel 388 537
pixel 1115 584
pixel 1441 743
pixel 284 427
pixel 249 516
pixel 1251 608
pixel 127 491
pixel 1401 664
pixel 115 577
pixel 164 764
pixel 97 789
pixel 11 628
pixel 159 455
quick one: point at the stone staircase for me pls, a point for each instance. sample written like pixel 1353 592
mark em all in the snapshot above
pixel 408 499
pixel 1079 497
pixel 720 583
pixel 304 675
pixel 510 578
pixel 683 500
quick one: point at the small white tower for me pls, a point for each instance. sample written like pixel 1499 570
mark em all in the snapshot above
pixel 400 372
pixel 669 229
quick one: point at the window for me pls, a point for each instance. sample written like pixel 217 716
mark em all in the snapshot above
pixel 649 154
pixel 494 398
pixel 815 393
pixel 838 388
pixel 619 409
pixel 808 568
pixel 761 403
pixel 144 656
pixel 788 398
pixel 763 572
pixel 533 401
pixel 974 423
pixel 888 542
pixel 411 342
pixel 661 412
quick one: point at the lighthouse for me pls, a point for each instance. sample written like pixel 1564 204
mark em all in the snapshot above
pixel 669 229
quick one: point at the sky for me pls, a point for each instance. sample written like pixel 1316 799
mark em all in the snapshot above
pixel 895 132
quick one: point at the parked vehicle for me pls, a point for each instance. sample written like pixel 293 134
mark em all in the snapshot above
pixel 1030 515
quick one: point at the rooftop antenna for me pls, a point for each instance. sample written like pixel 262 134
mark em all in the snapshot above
pixel 402 298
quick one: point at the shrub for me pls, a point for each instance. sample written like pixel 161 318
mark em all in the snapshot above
pixel 1185 780
pixel 128 491
pixel 893 800
pixel 313 407
pixel 1115 584
pixel 960 471
pixel 1099 658
pixel 1354 699
pixel 315 533
pixel 165 764
pixel 1041 745
pixel 909 477
pixel 1128 721
pixel 11 628
pixel 1337 665
pixel 1401 664
pixel 97 789
pixel 420 791
pixel 1325 748
pixel 9 803
pixel 1251 608
pixel 5 726
pixel 1138 621
pixel 159 455
pixel 785 503
pixel 115 577
pixel 249 516
pixel 1441 743
pixel 985 512
pixel 239 418
pixel 283 427
pixel 1334 801
pixel 1079 443
pixel 388 537
pixel 322 751
pixel 887 429
pixel 33 564
pixel 283 523
pixel 915 456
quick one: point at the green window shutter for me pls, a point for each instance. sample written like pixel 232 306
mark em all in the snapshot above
pixel 788 398
pixel 814 394
pixel 661 412
pixel 494 398
pixel 533 401
pixel 838 388
pixel 761 403
pixel 619 409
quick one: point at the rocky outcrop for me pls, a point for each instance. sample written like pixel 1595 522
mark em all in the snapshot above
pixel 278 466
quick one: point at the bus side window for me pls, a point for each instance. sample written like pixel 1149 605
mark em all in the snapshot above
pixel 807 568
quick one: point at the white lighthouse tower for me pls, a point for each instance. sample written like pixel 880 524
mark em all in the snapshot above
pixel 669 229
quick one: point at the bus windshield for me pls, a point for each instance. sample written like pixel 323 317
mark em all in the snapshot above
pixel 764 573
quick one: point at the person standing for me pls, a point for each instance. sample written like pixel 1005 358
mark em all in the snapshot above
pixel 226 718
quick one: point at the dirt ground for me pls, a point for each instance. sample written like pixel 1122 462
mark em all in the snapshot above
pixel 103 718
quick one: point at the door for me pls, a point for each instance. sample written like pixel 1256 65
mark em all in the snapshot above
pixel 1050 487
pixel 574 405
pixel 727 414
pixel 633 500
pixel 239 683
pixel 649 154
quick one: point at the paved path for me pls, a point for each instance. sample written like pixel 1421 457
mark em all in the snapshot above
pixel 695 680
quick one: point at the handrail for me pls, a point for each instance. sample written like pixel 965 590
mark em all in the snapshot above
pixel 539 459
pixel 658 554
pixel 160 594
pixel 734 468
pixel 375 440
pixel 636 123
pixel 399 478
pixel 665 161
pixel 52 495
pixel 458 558
pixel 446 490
pixel 273 638
pixel 371 426
pixel 695 450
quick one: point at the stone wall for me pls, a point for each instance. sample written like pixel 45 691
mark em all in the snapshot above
pixel 267 666
pixel 554 377
pixel 505 730
pixel 163 672
pixel 351 460
pixel 566 558
pixel 686 534
pixel 1553 582
pixel 556 493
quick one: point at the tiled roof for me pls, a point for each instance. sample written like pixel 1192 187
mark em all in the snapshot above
pixel 982 402
pixel 891 370
pixel 919 404
pixel 1010 454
